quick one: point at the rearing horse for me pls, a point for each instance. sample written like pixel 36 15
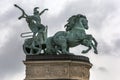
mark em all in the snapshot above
pixel 74 35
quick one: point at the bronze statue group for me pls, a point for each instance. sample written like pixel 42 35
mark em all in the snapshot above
pixel 60 42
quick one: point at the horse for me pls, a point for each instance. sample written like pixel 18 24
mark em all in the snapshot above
pixel 73 36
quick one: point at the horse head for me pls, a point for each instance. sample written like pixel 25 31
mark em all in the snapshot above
pixel 82 21
pixel 78 20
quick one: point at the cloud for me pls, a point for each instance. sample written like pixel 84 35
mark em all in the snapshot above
pixel 97 12
pixel 11 55
pixel 103 69
pixel 116 47
pixel 117 44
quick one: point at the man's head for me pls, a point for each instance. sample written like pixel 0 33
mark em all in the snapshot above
pixel 36 11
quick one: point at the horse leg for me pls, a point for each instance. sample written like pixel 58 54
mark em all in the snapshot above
pixel 64 48
pixel 68 49
pixel 57 50
pixel 95 42
pixel 63 44
pixel 85 51
pixel 86 43
pixel 94 45
pixel 95 49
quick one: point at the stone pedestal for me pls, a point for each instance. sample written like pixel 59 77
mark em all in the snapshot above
pixel 57 67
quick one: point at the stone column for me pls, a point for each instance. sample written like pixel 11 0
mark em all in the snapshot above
pixel 57 67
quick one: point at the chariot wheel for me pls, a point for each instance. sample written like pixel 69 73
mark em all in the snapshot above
pixel 31 49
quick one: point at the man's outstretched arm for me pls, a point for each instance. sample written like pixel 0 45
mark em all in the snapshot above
pixel 43 11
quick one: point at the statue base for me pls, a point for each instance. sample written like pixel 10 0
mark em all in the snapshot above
pixel 57 67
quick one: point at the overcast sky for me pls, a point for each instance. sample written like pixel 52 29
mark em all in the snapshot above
pixel 104 25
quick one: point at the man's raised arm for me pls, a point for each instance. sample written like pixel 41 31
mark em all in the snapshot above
pixel 43 11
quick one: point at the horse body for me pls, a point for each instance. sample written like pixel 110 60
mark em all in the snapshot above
pixel 74 37
pixel 64 40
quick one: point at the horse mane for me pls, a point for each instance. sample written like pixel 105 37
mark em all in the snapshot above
pixel 73 19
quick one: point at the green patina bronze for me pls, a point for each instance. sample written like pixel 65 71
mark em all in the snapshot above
pixel 74 35
pixel 59 43
pixel 34 45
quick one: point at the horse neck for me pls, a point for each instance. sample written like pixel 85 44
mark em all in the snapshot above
pixel 79 26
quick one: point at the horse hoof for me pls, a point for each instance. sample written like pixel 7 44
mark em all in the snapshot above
pixel 95 52
pixel 70 54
